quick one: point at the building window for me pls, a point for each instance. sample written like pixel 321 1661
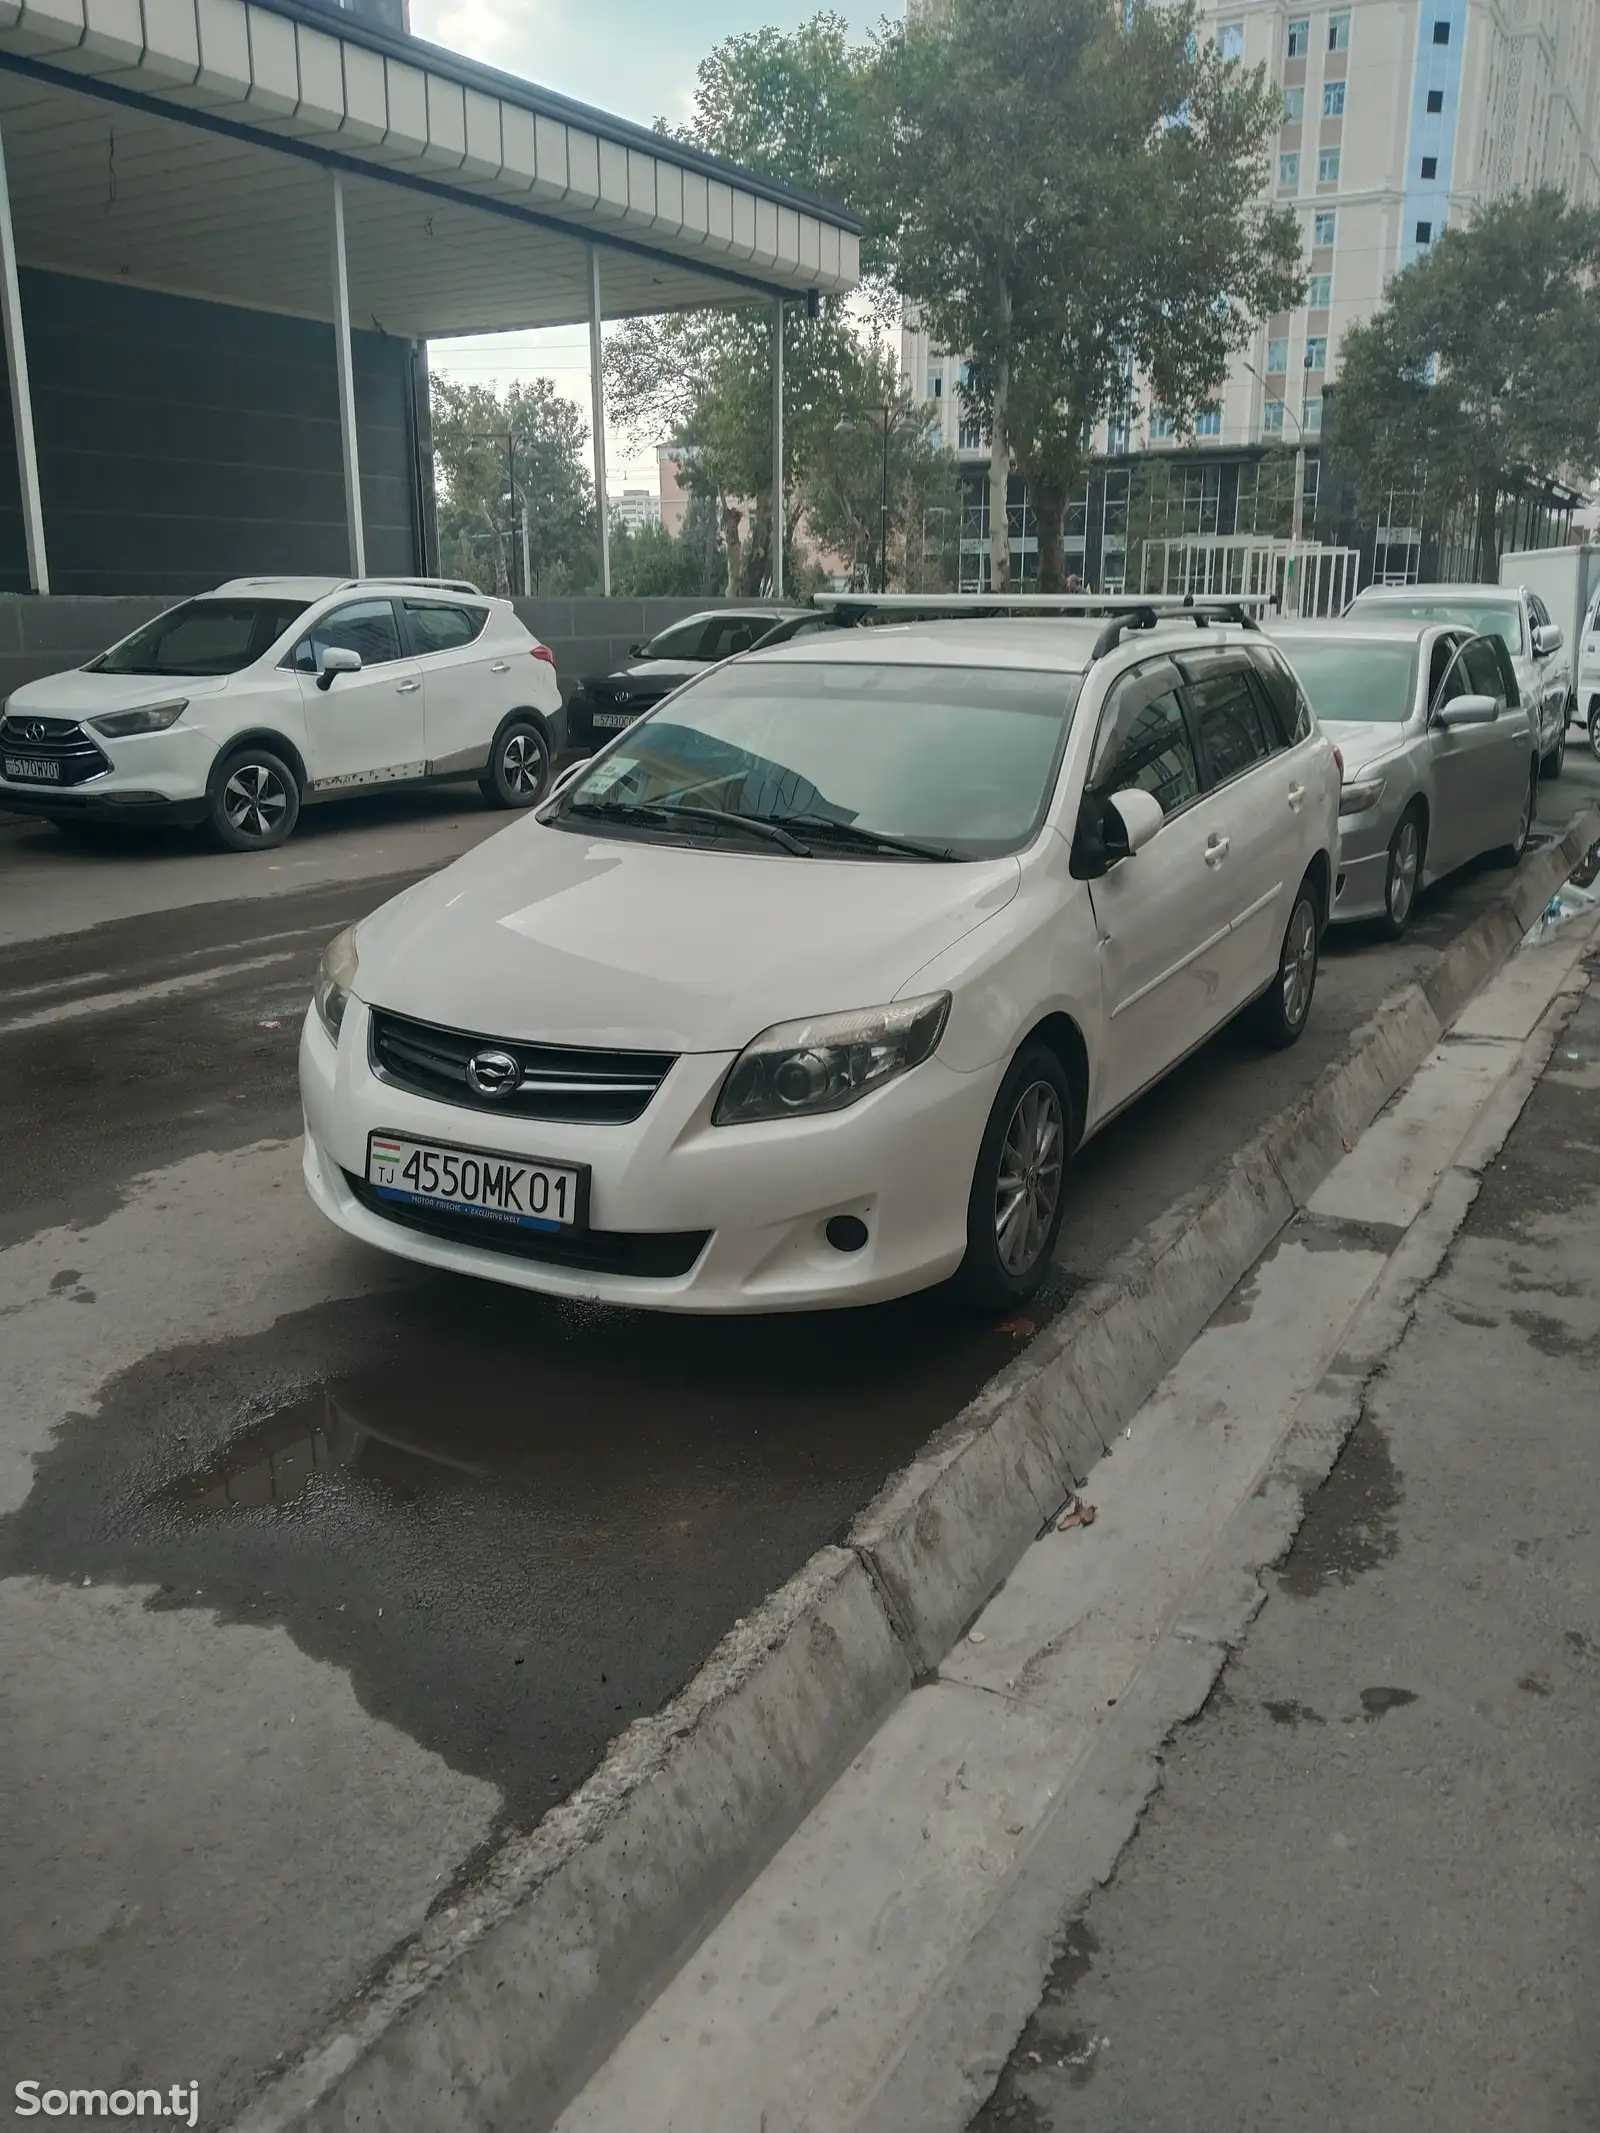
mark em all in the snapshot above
pixel 1294 105
pixel 1338 33
pixel 1328 167
pixel 1313 421
pixel 1208 423
pixel 1272 418
pixel 935 384
pixel 1288 173
pixel 1430 166
pixel 1333 99
pixel 1319 292
pixel 970 437
pixel 1435 100
pixel 1230 40
pixel 1441 33
pixel 1424 233
pixel 1324 224
pixel 1160 424
pixel 1299 38
pixel 1317 352
pixel 1278 354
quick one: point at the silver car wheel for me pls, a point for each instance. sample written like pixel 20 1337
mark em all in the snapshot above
pixel 254 800
pixel 1525 819
pixel 1594 733
pixel 1029 1184
pixel 1404 862
pixel 522 762
pixel 1299 963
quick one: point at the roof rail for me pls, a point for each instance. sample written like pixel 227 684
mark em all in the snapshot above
pixel 373 577
pixel 1129 611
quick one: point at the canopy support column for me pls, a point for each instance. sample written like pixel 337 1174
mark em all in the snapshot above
pixel 354 523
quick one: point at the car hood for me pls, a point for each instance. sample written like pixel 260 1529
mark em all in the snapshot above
pixel 1362 742
pixel 81 695
pixel 571 938
pixel 653 677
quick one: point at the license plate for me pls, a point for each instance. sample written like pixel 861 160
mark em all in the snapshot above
pixel 612 721
pixel 509 1189
pixel 38 767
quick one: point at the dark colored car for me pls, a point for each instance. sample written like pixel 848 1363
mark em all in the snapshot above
pixel 605 703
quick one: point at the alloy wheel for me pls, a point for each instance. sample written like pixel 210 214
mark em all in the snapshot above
pixel 254 800
pixel 1029 1184
pixel 1594 733
pixel 522 761
pixel 1403 870
pixel 1299 963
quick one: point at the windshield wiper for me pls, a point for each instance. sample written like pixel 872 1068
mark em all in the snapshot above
pixel 662 817
pixel 853 833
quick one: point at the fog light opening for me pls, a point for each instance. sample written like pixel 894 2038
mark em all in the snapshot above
pixel 846 1233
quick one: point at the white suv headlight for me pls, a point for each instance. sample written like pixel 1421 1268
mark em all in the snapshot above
pixel 336 975
pixel 797 1068
pixel 152 718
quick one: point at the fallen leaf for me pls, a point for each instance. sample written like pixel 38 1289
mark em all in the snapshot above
pixel 1076 1513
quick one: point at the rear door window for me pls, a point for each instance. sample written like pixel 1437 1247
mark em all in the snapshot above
pixel 1144 740
pixel 1230 723
pixel 441 626
pixel 365 626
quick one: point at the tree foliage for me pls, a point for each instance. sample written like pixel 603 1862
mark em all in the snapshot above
pixel 655 564
pixel 876 479
pixel 1068 190
pixel 1479 371
pixel 480 518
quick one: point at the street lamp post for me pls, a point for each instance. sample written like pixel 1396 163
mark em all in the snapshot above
pixel 843 426
pixel 509 439
pixel 1297 515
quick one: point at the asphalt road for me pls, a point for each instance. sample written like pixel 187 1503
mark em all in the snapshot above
pixel 317 1571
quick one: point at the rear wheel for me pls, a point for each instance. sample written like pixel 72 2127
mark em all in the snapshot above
pixel 255 801
pixel 1406 848
pixel 519 765
pixel 1019 1184
pixel 1594 729
pixel 1510 855
pixel 1281 1013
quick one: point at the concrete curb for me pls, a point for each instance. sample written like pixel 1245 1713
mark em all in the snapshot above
pixel 506 2001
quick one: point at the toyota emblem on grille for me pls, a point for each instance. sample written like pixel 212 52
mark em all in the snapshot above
pixel 494 1074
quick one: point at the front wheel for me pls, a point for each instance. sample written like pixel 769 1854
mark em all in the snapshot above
pixel 1019 1185
pixel 519 765
pixel 1405 872
pixel 1510 855
pixel 1279 1016
pixel 255 801
pixel 1594 729
pixel 1552 764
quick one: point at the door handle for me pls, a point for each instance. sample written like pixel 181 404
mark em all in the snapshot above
pixel 405 688
pixel 1217 849
pixel 500 666
pixel 1297 794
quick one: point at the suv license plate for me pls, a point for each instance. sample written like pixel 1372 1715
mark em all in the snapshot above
pixel 527 1194
pixel 37 767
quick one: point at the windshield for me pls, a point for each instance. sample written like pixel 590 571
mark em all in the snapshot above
pixel 1362 684
pixel 202 637
pixel 1485 618
pixel 954 761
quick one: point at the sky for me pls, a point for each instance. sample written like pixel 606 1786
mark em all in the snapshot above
pixel 636 58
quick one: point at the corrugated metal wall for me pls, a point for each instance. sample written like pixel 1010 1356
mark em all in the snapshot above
pixel 183 442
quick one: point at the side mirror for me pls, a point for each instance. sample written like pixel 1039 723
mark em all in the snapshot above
pixel 1547 638
pixel 1141 816
pixel 337 659
pixel 1468 711
pixel 637 651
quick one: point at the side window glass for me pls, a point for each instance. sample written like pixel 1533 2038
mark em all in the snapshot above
pixel 1287 709
pixel 724 639
pixel 1482 668
pixel 1538 610
pixel 365 626
pixel 1439 666
pixel 438 626
pixel 1228 722
pixel 1144 741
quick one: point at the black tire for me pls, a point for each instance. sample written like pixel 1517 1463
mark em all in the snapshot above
pixel 519 765
pixel 255 800
pixel 1033 1127
pixel 1408 848
pixel 1594 729
pixel 1551 766
pixel 1510 855
pixel 1279 1017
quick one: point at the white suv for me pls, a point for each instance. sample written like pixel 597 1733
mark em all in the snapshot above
pixel 236 708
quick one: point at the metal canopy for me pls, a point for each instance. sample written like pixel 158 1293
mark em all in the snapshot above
pixel 186 145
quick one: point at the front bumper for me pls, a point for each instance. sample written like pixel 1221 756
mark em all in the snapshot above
pixel 1361 875
pixel 901 1161
pixel 592 721
pixel 154 777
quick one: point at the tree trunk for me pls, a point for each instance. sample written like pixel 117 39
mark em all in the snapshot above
pixel 1049 515
pixel 757 551
pixel 733 548
pixel 1000 455
pixel 1489 531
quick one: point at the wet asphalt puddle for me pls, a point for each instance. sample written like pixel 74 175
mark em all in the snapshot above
pixel 516 1526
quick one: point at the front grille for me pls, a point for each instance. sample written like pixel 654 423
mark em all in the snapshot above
pixel 62 740
pixel 650 1255
pixel 585 1086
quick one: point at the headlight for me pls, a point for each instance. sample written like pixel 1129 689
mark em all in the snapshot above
pixel 154 718
pixel 1360 794
pixel 336 974
pixel 797 1068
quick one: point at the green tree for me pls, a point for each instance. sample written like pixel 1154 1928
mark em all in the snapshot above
pixel 1480 367
pixel 1067 189
pixel 654 564
pixel 845 490
pixel 480 533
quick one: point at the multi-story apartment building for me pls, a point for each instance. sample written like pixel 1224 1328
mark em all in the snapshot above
pixel 1399 117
